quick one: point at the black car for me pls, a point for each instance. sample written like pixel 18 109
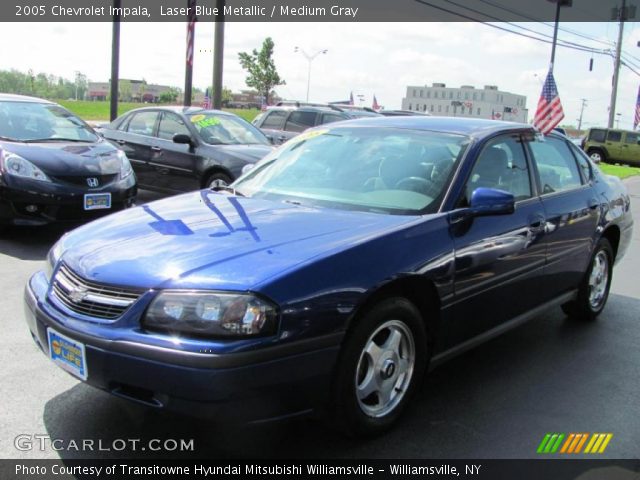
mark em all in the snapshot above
pixel 177 149
pixel 55 167
pixel 282 123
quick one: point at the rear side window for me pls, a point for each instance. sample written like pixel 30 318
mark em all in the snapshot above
pixel 300 121
pixel 598 135
pixel 557 167
pixel 632 138
pixel 614 136
pixel 143 123
pixel 583 163
pixel 331 117
pixel 274 120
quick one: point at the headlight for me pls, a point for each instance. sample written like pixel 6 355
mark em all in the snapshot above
pixel 17 166
pixel 211 314
pixel 52 258
pixel 125 165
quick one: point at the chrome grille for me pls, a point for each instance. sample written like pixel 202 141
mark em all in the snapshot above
pixel 90 298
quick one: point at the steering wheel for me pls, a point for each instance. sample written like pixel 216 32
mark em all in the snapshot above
pixel 419 185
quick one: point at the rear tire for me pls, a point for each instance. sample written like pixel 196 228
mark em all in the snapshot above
pixel 382 361
pixel 597 155
pixel 594 289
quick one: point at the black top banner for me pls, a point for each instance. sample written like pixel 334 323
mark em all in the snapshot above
pixel 315 11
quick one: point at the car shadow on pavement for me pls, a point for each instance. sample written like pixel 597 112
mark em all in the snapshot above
pixel 495 401
pixel 30 243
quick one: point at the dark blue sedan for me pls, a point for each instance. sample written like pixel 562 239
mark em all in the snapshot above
pixel 332 273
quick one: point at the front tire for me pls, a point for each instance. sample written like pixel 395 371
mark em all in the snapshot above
pixel 218 180
pixel 594 289
pixel 381 363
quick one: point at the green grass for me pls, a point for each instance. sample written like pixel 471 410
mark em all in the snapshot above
pixel 621 171
pixel 88 110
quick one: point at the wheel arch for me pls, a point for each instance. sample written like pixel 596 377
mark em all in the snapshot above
pixel 212 170
pixel 418 290
pixel 612 234
pixel 600 149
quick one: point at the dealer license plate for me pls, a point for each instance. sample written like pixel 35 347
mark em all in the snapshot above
pixel 95 201
pixel 68 354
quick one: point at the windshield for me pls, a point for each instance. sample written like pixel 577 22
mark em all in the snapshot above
pixel 388 170
pixel 216 129
pixel 32 122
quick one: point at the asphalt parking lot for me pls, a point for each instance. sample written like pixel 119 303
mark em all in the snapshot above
pixel 496 401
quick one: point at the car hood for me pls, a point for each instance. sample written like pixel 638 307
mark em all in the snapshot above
pixel 245 153
pixel 72 158
pixel 209 240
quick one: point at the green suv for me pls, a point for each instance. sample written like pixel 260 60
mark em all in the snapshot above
pixel 612 145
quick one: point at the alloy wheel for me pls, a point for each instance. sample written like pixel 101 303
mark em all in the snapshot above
pixel 385 368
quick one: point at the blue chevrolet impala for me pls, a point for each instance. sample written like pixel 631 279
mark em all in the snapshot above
pixel 328 276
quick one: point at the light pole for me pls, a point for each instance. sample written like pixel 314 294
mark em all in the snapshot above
pixel 584 104
pixel 310 59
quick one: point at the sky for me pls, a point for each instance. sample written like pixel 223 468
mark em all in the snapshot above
pixel 368 59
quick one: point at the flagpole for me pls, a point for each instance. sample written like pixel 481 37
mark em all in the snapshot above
pixel 555 35
pixel 218 55
pixel 188 72
pixel 115 61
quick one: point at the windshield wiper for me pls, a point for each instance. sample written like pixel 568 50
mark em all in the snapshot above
pixel 55 139
pixel 226 188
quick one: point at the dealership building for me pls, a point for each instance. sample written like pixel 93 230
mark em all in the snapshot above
pixel 466 101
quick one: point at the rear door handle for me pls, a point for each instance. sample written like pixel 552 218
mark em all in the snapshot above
pixel 156 149
pixel 121 142
pixel 593 203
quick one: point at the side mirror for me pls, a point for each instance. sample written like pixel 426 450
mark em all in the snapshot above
pixel 182 138
pixel 271 139
pixel 491 201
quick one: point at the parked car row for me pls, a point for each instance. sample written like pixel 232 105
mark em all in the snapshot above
pixel 334 271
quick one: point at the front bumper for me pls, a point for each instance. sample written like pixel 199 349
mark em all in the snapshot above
pixel 254 386
pixel 29 202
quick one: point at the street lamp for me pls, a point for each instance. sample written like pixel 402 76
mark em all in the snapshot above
pixel 310 59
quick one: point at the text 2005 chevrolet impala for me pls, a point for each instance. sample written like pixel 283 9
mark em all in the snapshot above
pixel 333 272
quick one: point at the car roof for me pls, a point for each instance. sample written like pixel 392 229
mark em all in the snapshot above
pixel 306 108
pixel 10 97
pixel 180 109
pixel 463 126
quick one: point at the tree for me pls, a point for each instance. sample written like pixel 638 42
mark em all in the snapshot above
pixel 261 69
pixel 170 95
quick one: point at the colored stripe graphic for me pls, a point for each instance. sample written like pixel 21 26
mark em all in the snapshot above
pixel 598 443
pixel 550 443
pixel 573 443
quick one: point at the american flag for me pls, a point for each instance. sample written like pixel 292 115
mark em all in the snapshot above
pixel 636 119
pixel 351 99
pixel 375 105
pixel 549 112
pixel 191 27
pixel 207 100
